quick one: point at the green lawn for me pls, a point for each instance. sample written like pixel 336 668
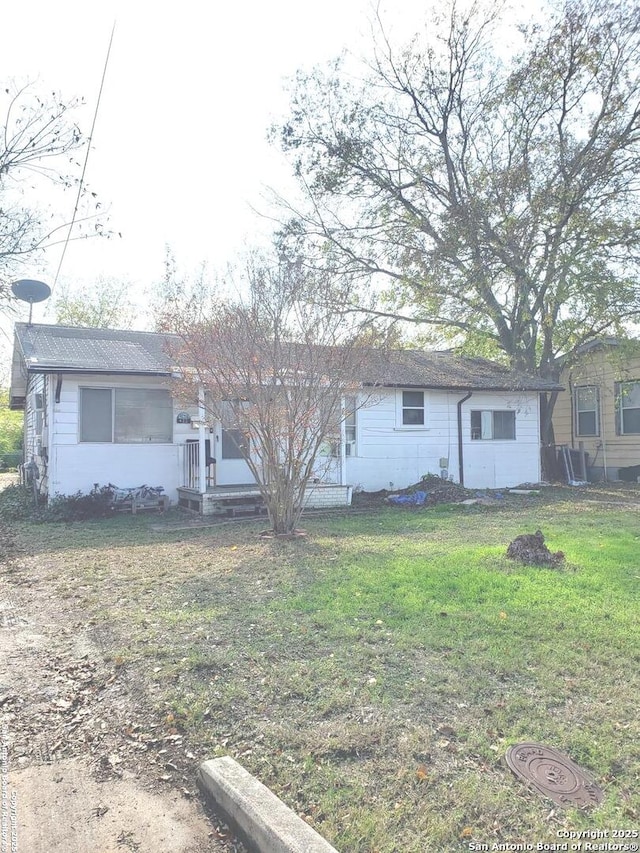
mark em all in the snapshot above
pixel 374 673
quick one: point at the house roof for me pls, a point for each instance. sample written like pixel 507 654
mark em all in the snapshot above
pixel 429 369
pixel 41 348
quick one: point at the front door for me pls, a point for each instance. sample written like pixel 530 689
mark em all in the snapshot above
pixel 231 469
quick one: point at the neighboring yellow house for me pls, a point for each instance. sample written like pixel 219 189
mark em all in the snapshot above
pixel 600 408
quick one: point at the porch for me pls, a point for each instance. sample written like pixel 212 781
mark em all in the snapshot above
pixel 247 500
pixel 220 487
pixel 221 500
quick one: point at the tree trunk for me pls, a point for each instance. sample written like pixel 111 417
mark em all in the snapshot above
pixel 547 437
pixel 547 405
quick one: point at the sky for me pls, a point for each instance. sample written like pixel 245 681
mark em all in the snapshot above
pixel 179 156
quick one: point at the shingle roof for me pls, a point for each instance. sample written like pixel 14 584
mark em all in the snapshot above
pixel 43 348
pixel 69 348
pixel 423 369
pixel 40 348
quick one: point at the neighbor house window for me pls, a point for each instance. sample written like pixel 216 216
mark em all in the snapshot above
pixel 587 407
pixel 628 407
pixel 493 425
pixel 126 415
pixel 413 408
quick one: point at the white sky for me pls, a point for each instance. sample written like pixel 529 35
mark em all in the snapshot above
pixel 179 153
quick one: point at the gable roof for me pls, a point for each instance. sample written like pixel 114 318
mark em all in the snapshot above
pixel 40 348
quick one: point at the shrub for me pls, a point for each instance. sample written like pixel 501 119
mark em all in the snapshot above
pixel 16 503
pixel 80 507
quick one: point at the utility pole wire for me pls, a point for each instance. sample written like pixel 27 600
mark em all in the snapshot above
pixel 86 159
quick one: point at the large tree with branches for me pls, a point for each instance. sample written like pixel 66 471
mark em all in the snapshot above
pixel 39 143
pixel 496 195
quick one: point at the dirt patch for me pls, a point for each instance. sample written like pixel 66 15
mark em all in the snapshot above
pixel 9 549
pixel 529 548
pixel 437 490
pixel 93 767
pixel 61 807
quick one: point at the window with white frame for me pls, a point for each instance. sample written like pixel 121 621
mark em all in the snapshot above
pixel 350 426
pixel 413 408
pixel 628 407
pixel 126 415
pixel 587 410
pixel 38 407
pixel 495 424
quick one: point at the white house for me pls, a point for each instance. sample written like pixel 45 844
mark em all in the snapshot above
pixel 98 409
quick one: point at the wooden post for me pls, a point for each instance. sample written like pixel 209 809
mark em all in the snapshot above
pixel 202 447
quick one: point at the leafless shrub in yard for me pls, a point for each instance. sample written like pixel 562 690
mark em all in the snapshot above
pixel 280 371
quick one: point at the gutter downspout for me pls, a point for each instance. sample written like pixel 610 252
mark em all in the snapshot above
pixel 460 450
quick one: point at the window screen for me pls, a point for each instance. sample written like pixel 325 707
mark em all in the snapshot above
pixel 493 425
pixel 413 408
pixel 232 440
pixel 586 400
pixel 630 407
pixel 96 420
pixel 143 416
pixel 126 415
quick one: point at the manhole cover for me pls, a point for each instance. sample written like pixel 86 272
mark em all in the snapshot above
pixel 553 774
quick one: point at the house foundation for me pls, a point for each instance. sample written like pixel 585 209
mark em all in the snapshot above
pixel 247 500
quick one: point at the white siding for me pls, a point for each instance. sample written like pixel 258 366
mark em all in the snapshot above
pixel 36 429
pixel 390 456
pixel 78 466
pixel 501 463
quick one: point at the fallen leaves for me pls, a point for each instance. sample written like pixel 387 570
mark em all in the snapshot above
pixel 422 772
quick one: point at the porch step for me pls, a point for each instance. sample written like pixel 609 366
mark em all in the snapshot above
pixel 222 501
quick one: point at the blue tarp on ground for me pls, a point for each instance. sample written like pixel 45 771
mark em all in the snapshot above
pixel 414 499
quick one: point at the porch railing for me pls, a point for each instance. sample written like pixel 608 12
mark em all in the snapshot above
pixel 191 473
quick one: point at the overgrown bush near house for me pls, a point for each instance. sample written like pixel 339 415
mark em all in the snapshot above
pixel 16 503
pixel 80 507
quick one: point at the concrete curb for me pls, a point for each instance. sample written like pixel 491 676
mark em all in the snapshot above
pixel 259 817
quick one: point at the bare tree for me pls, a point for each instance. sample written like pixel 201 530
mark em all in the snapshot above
pixel 276 371
pixel 498 199
pixel 38 143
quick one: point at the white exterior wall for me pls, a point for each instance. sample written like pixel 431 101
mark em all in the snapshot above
pixel 392 456
pixel 36 429
pixel 499 464
pixel 388 454
pixel 76 466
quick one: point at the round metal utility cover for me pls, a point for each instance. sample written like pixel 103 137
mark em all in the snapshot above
pixel 554 775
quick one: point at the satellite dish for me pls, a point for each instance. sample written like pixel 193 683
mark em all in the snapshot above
pixel 28 290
